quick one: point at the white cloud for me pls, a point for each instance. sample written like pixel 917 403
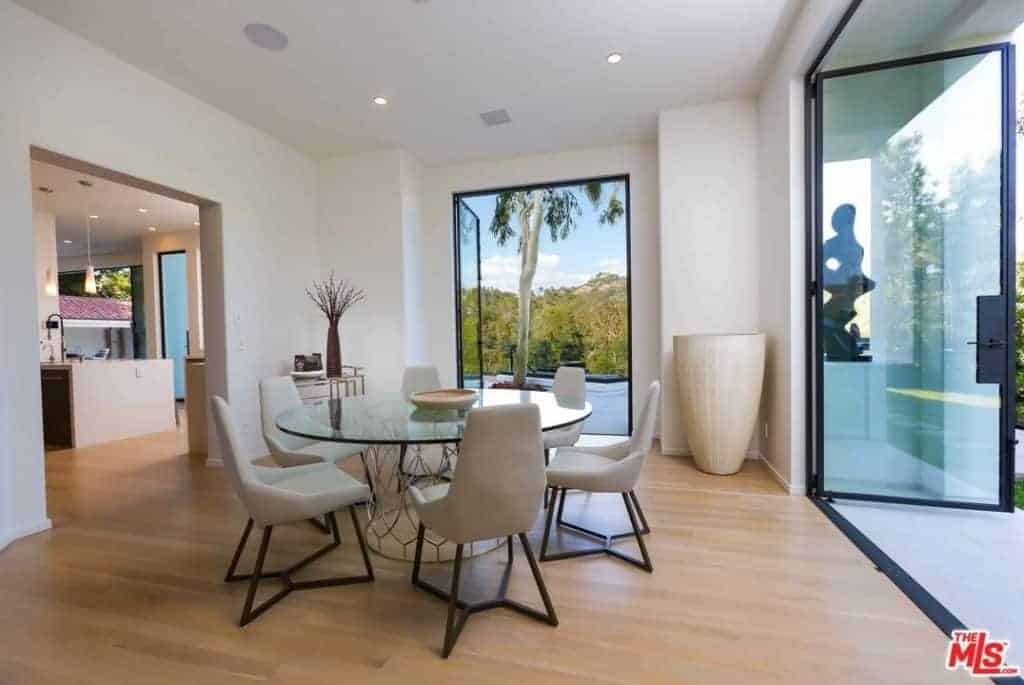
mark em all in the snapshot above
pixel 502 272
pixel 613 265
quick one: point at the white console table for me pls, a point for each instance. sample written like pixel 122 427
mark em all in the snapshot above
pixel 314 389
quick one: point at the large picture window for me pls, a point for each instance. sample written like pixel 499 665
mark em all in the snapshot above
pixel 542 280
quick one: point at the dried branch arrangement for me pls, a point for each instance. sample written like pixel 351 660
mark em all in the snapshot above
pixel 335 296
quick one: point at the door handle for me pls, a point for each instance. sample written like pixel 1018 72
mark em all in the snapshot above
pixel 991 343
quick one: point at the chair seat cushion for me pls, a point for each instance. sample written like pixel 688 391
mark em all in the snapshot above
pixel 330 452
pixel 580 470
pixel 323 489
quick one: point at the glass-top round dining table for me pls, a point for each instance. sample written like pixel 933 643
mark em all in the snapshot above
pixel 406 445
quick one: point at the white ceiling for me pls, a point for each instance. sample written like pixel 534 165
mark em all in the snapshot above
pixel 120 226
pixel 442 63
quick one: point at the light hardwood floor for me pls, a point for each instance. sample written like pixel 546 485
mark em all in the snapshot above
pixel 750 585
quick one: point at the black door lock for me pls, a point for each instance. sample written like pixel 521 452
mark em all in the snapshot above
pixel 990 344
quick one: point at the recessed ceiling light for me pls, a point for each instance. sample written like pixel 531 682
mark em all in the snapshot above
pixel 265 36
pixel 614 58
pixel 67 242
pixel 93 217
pixel 380 100
pixel 143 210
pixel 151 228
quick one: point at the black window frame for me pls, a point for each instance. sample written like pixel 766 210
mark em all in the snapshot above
pixel 459 196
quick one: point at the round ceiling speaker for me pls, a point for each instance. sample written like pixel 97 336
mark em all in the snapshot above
pixel 265 36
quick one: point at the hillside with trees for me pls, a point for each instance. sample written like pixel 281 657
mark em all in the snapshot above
pixel 585 324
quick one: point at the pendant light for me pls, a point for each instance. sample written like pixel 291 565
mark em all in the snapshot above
pixel 90 274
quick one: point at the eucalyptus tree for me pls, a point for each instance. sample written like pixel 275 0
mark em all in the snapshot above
pixel 521 215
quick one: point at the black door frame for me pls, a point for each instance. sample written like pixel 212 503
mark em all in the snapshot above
pixel 815 357
pixel 457 197
pixel 160 282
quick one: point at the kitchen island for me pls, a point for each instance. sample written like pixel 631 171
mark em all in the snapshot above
pixel 93 401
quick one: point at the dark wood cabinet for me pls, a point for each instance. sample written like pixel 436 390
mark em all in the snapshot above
pixel 57 430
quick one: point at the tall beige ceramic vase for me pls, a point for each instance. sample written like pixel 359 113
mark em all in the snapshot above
pixel 720 379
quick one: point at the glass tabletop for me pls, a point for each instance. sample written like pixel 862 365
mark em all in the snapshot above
pixel 392 419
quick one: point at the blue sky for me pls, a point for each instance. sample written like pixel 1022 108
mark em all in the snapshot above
pixel 591 248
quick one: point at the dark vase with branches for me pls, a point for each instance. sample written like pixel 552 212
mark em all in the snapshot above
pixel 334 297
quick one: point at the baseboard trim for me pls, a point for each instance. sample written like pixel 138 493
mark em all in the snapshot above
pixel 786 485
pixel 680 452
pixel 24 532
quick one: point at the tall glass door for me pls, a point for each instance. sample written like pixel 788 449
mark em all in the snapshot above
pixel 174 314
pixel 914 272
pixel 469 296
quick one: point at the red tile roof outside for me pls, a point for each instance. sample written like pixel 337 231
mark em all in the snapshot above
pixel 95 308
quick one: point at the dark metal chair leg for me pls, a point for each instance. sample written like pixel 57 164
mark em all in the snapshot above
pixel 547 527
pixel 640 512
pixel 238 552
pixel 251 612
pixel 639 536
pixel 627 499
pixel 452 630
pixel 254 582
pixel 359 537
pixel 552 617
pixel 419 554
pixel 459 610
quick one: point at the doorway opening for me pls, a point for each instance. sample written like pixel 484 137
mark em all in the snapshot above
pixel 911 315
pixel 120 293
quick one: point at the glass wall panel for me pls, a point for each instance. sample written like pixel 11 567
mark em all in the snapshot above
pixel 911 216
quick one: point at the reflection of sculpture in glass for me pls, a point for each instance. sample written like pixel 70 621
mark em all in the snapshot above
pixel 844 283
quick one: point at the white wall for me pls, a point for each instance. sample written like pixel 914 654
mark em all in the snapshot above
pixel 45 229
pixel 63 94
pixel 437 285
pixel 710 231
pixel 783 278
pixel 416 307
pixel 152 246
pixel 361 239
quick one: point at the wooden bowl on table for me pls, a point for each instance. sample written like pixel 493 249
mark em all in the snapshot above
pixel 457 399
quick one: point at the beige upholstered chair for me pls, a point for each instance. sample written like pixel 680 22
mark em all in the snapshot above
pixel 570 382
pixel 423 378
pixel 611 468
pixel 278 395
pixel 420 378
pixel 496 492
pixel 276 496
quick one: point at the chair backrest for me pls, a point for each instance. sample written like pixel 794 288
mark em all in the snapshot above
pixel 643 434
pixel 420 378
pixel 570 381
pixel 240 470
pixel 499 479
pixel 278 394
